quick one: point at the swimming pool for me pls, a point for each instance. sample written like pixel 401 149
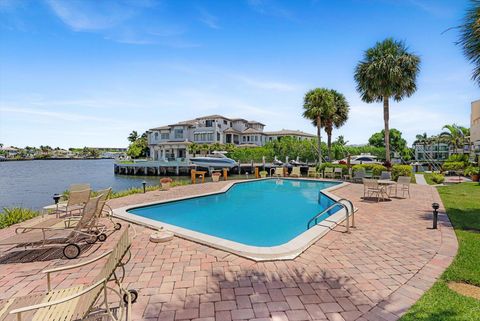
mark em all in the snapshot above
pixel 266 213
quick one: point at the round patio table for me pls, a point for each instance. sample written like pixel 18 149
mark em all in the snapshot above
pixel 385 183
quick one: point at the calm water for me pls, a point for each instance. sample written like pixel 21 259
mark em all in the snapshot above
pixel 261 213
pixel 32 183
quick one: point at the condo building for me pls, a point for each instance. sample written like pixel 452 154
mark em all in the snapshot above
pixel 171 141
pixel 475 126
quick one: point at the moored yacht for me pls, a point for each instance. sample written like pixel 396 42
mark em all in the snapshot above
pixel 216 160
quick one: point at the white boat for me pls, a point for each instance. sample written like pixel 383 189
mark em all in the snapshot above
pixel 364 158
pixel 216 160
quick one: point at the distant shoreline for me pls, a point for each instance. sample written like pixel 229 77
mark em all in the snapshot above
pixel 47 159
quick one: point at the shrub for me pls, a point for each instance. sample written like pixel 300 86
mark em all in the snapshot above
pixel 401 170
pixel 453 166
pixel 14 215
pixel 472 170
pixel 437 178
pixel 376 169
pixel 166 180
pixel 464 158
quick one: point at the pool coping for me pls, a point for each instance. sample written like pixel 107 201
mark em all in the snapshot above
pixel 287 251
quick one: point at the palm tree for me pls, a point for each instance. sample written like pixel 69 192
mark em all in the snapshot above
pixel 337 119
pixel 133 136
pixel 387 71
pixel 455 136
pixel 470 37
pixel 193 148
pixel 317 104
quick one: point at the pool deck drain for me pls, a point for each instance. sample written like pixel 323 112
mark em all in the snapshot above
pixel 375 273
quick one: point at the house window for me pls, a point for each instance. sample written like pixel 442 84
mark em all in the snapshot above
pixel 165 136
pixel 244 138
pixel 156 136
pixel 203 137
pixel 218 136
pixel 178 133
pixel 209 123
pixel 225 122
pixel 256 138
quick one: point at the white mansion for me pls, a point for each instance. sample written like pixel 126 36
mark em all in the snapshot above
pixel 171 141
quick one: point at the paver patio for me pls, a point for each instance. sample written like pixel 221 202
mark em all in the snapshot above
pixel 374 273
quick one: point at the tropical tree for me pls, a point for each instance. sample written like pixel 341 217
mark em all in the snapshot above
pixel 133 136
pixel 340 141
pixel 455 136
pixel 397 143
pixel 337 119
pixel 387 71
pixel 317 105
pixel 193 149
pixel 470 37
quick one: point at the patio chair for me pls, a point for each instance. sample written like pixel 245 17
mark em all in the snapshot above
pixel 296 172
pixel 78 187
pixel 104 210
pixel 278 172
pixel 338 172
pixel 75 203
pixel 60 235
pixel 92 302
pixel 312 172
pixel 403 182
pixel 371 189
pixel 368 174
pixel 386 175
pixel 359 176
pixel 71 221
pixel 348 177
pixel 328 172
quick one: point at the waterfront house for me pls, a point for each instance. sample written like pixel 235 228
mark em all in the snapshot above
pixel 171 141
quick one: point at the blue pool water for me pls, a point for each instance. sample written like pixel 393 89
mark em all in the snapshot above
pixel 259 213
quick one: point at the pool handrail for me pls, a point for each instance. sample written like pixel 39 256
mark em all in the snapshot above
pixel 337 203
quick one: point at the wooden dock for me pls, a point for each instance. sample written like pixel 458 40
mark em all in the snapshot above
pixel 177 168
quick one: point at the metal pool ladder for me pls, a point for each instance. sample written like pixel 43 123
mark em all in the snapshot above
pixel 341 202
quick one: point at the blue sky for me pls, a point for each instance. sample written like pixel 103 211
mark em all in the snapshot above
pixel 86 73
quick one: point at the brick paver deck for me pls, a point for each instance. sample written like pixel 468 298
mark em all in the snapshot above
pixel 374 273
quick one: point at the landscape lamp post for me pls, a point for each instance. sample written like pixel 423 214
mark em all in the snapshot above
pixel 144 186
pixel 56 198
pixel 435 207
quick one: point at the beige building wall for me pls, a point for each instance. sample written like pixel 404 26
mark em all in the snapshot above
pixel 475 124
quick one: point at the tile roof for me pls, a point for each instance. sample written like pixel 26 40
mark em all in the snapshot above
pixel 289 132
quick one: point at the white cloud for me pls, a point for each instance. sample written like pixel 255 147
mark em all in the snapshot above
pixel 91 15
pixel 208 19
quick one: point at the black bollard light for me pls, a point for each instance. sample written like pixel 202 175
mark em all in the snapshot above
pixel 435 207
pixel 144 186
pixel 56 198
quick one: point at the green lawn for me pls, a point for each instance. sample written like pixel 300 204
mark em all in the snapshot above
pixel 462 202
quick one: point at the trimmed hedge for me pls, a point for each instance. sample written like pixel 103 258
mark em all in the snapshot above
pixel 376 169
pixel 453 166
pixel 401 170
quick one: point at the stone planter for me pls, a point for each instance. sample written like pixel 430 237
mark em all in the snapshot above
pixel 475 178
pixel 263 174
pixel 215 177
